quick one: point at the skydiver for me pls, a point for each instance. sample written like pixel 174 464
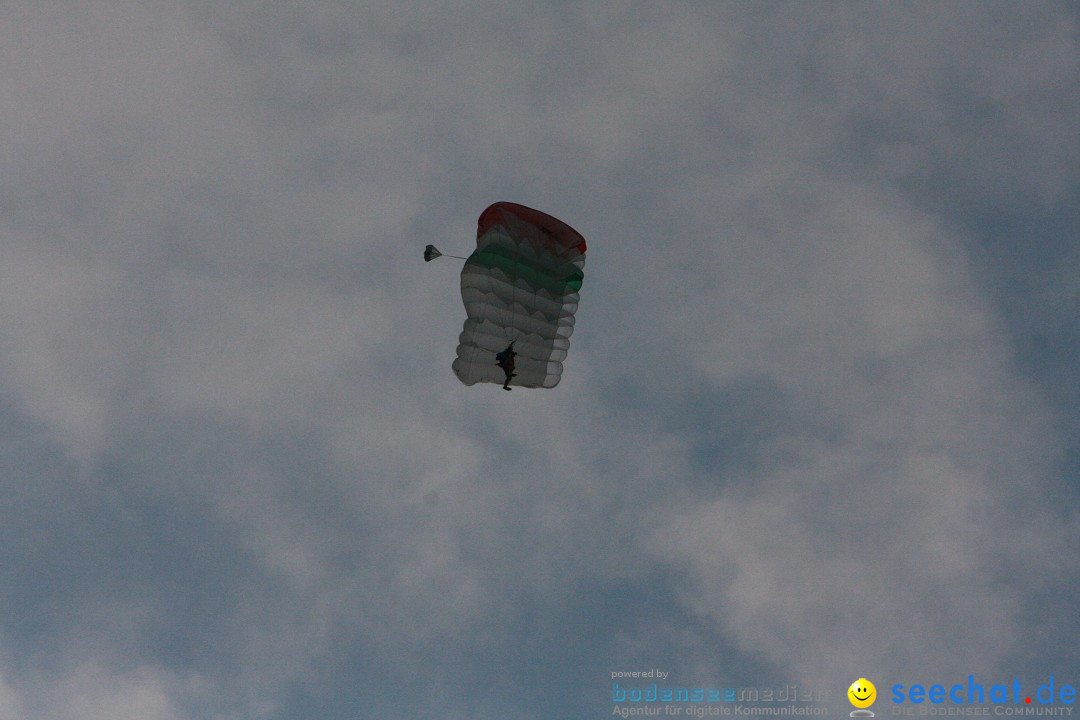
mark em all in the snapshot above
pixel 505 360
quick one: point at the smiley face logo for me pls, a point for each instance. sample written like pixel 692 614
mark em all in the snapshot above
pixel 862 693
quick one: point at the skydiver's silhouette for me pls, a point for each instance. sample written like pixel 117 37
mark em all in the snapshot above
pixel 505 360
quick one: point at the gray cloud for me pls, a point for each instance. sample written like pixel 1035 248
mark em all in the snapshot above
pixel 801 434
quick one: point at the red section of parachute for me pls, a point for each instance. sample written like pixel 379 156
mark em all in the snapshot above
pixel 561 233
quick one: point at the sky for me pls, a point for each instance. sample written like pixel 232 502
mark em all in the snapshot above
pixel 818 420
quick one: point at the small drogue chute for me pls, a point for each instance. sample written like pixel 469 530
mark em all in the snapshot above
pixel 431 252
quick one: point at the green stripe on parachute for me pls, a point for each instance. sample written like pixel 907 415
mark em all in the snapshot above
pixel 534 273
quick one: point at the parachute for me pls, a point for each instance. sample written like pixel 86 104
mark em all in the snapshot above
pixel 520 285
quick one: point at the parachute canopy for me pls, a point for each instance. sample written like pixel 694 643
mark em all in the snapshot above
pixel 431 252
pixel 520 285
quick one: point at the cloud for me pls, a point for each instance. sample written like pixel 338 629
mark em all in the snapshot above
pixel 796 430
pixel 893 479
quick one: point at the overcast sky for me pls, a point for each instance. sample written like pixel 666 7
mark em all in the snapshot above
pixel 818 419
